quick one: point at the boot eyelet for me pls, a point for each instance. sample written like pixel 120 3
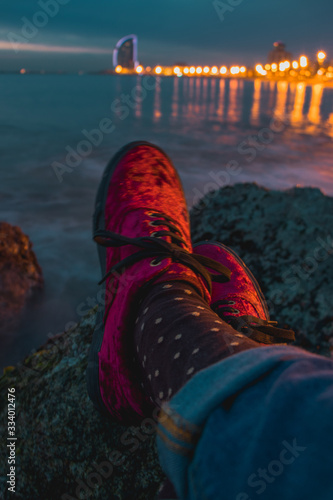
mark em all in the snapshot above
pixel 154 223
pixel 231 303
pixel 155 235
pixel 235 311
pixel 155 262
pixel 153 214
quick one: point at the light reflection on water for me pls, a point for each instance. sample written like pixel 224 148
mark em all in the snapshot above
pixel 236 101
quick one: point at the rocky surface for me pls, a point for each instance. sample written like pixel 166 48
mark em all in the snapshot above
pixel 286 239
pixel 66 450
pixel 20 275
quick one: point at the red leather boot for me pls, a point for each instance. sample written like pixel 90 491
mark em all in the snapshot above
pixel 141 225
pixel 240 302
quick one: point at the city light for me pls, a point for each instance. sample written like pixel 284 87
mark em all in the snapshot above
pixel 261 70
pixel 291 69
pixel 321 56
pixel 303 61
pixel 22 71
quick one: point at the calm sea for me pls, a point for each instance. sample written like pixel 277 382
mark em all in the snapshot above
pixel 279 134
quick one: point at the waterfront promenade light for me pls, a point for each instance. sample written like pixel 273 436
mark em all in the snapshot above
pixel 274 67
pixel 303 61
pixel 119 69
pixel 139 69
pixel 286 64
pixel 186 70
pixel 206 69
pixel 242 69
pixel 223 70
pixel 295 64
pixel 261 70
pixel 267 67
pixel 235 70
pixel 199 70
pixel 158 70
pixel 214 70
pixel 192 70
pixel 321 56
pixel 176 70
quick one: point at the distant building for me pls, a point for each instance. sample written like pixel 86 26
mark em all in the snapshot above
pixel 279 54
pixel 126 52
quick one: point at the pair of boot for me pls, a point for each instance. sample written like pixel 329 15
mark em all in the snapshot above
pixel 141 226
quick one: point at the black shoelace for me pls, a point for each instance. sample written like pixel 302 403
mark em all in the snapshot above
pixel 154 247
pixel 260 330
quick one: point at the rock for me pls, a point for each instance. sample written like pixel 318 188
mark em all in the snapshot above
pixel 286 239
pixel 65 446
pixel 20 275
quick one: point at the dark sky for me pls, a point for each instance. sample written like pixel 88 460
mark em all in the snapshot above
pixel 83 32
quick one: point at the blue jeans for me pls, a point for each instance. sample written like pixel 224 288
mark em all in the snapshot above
pixel 257 425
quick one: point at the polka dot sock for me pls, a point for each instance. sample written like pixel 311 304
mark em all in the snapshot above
pixel 176 335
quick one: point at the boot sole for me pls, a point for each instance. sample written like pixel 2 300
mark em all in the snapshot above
pixel 92 373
